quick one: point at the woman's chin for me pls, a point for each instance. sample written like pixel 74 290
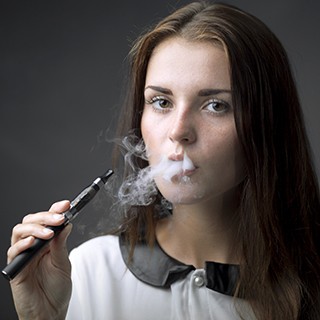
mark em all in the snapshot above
pixel 181 193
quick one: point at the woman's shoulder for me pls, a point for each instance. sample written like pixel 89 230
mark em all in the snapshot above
pixel 99 241
pixel 101 248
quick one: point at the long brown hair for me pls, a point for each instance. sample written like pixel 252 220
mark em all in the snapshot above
pixel 279 229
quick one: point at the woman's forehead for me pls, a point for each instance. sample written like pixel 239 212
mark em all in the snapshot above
pixel 178 62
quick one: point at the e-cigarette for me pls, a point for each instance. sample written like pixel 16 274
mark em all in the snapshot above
pixel 21 260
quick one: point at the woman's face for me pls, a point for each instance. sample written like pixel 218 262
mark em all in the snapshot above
pixel 188 113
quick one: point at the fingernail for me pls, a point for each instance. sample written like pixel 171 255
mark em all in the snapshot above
pixel 58 216
pixel 47 231
pixel 28 239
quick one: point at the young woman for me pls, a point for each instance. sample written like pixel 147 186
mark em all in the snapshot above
pixel 213 100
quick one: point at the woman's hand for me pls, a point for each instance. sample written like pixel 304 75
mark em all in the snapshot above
pixel 42 289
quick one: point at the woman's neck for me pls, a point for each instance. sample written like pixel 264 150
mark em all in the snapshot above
pixel 198 233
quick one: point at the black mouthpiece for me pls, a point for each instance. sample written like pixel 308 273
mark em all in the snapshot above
pixel 106 176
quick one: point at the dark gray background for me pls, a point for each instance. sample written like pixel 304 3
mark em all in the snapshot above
pixel 61 79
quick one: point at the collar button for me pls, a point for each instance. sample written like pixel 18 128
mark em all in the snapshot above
pixel 198 281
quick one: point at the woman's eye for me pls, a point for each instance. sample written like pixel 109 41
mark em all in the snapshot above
pixel 159 103
pixel 217 106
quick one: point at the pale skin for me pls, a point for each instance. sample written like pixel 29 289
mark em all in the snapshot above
pixel 188 109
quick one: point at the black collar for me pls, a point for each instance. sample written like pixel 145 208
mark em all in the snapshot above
pixel 153 266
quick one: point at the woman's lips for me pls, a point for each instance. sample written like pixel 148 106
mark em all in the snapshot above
pixel 184 175
pixel 174 166
pixel 176 157
pixel 188 172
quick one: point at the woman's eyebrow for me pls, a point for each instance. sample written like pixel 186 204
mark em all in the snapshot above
pixel 159 89
pixel 201 93
pixel 212 92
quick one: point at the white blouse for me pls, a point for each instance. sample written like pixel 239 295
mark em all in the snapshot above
pixel 154 286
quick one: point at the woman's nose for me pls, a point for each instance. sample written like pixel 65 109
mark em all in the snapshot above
pixel 182 128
